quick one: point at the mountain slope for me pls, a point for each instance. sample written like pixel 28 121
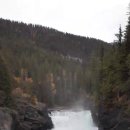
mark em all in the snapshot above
pixel 53 65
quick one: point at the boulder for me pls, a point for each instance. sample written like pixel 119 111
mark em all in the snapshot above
pixel 6 119
pixel 25 116
pixel 2 98
pixel 32 117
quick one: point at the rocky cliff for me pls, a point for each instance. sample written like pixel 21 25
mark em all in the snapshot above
pixel 25 116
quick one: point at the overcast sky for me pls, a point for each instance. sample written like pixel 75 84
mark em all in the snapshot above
pixel 94 18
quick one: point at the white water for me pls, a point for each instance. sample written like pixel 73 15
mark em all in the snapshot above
pixel 73 120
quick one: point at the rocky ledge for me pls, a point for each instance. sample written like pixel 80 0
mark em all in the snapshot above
pixel 25 116
pixel 114 119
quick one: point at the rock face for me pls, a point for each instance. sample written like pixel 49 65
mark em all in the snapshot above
pixel 32 117
pixel 25 117
pixel 110 119
pixel 113 119
pixel 6 119
pixel 2 98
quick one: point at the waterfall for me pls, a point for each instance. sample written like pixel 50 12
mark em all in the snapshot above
pixel 73 120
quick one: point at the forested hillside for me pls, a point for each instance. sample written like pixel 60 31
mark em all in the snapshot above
pixel 42 64
pixel 6 84
pixel 56 67
pixel 50 39
pixel 115 71
pixel 114 92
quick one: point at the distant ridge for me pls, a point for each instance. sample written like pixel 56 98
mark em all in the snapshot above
pixel 51 39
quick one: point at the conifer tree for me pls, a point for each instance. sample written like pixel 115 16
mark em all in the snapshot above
pixel 5 82
pixel 127 37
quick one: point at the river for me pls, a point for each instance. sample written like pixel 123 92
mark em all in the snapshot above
pixel 73 120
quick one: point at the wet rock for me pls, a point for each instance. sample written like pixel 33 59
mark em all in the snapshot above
pixel 25 117
pixel 6 119
pixel 32 117
pixel 2 98
pixel 113 119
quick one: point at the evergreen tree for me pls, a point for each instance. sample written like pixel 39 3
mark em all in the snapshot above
pixel 119 36
pixel 127 37
pixel 5 82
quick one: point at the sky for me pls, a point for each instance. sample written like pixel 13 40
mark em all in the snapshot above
pixel 91 18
